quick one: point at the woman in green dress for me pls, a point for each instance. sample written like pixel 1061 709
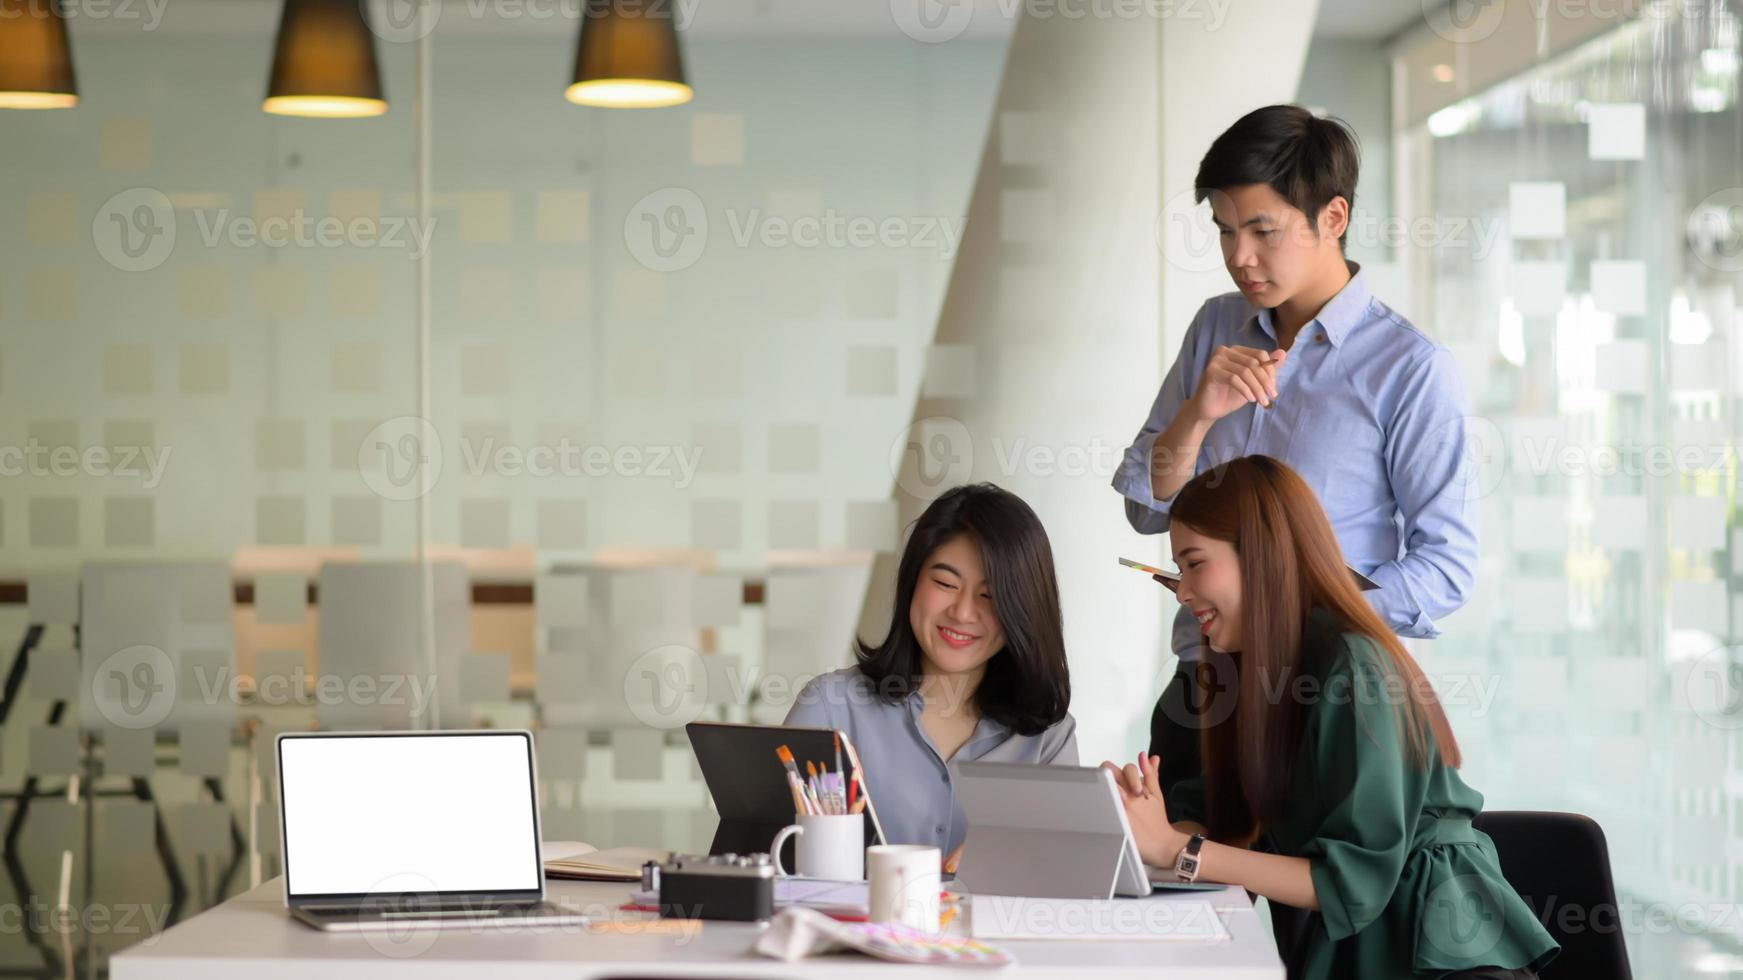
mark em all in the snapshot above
pixel 1329 773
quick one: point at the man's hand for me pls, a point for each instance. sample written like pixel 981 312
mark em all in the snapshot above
pixel 1234 377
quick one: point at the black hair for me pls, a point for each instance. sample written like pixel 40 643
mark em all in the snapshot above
pixel 1027 685
pixel 1305 159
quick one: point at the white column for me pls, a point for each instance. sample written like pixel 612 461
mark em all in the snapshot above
pixel 1057 298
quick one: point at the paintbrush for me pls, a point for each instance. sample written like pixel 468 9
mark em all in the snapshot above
pixel 800 803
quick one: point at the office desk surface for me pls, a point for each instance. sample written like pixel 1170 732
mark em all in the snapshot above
pixel 251 936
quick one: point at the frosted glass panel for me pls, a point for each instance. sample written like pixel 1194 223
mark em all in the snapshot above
pixel 1603 333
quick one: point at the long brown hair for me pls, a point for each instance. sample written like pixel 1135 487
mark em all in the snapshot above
pixel 1290 565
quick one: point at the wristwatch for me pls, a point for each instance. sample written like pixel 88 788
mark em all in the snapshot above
pixel 1186 865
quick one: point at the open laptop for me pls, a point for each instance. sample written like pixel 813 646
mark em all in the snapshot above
pixel 408 830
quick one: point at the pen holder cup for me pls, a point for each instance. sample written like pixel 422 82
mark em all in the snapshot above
pixel 830 846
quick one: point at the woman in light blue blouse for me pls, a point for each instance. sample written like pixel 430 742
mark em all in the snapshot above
pixel 972 668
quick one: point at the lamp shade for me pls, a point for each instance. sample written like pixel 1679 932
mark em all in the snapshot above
pixel 628 56
pixel 324 62
pixel 36 57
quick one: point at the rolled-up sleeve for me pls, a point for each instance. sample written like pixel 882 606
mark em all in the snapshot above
pixel 1357 853
pixel 1432 479
pixel 1147 514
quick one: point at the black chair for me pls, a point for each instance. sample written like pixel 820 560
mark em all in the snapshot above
pixel 1557 860
pixel 1560 860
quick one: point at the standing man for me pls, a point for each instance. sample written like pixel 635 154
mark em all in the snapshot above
pixel 1304 364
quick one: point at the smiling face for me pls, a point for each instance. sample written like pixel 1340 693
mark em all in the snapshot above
pixel 952 612
pixel 1270 248
pixel 1210 585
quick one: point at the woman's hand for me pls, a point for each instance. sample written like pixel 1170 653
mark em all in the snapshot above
pixel 1141 792
pixel 1128 778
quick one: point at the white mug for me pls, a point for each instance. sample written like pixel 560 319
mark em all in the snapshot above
pixel 905 882
pixel 830 845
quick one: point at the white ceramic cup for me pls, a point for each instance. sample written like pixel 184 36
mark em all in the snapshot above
pixel 905 882
pixel 830 846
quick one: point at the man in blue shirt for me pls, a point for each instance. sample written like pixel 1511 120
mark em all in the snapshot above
pixel 1305 365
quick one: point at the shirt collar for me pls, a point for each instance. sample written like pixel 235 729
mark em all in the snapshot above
pixel 1340 314
pixel 985 728
pixel 1348 308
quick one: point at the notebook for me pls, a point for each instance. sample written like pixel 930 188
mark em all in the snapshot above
pixel 575 861
pixel 1177 917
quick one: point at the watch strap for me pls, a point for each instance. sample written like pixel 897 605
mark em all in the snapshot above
pixel 1186 865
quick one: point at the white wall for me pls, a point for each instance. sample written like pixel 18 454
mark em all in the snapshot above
pixel 1211 77
pixel 1051 312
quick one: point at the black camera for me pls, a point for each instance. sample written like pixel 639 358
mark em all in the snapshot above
pixel 735 887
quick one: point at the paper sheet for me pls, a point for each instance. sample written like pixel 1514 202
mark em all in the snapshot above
pixel 819 891
pixel 1174 918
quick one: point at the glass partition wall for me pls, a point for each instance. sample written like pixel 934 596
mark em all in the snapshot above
pixel 1589 240
pixel 556 437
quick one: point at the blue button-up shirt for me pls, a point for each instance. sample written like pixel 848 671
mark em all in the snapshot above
pixel 912 785
pixel 1372 413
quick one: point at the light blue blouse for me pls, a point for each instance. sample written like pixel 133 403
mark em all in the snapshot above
pixel 912 786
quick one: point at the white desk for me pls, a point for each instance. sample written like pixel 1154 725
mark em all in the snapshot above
pixel 251 936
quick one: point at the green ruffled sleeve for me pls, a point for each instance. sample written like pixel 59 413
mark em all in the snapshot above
pixel 1357 852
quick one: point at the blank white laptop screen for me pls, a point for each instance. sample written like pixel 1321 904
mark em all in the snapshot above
pixel 375 814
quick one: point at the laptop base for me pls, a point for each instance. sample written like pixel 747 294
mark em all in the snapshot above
pixel 356 918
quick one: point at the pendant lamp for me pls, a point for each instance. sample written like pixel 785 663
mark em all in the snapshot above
pixel 628 57
pixel 36 58
pixel 324 63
